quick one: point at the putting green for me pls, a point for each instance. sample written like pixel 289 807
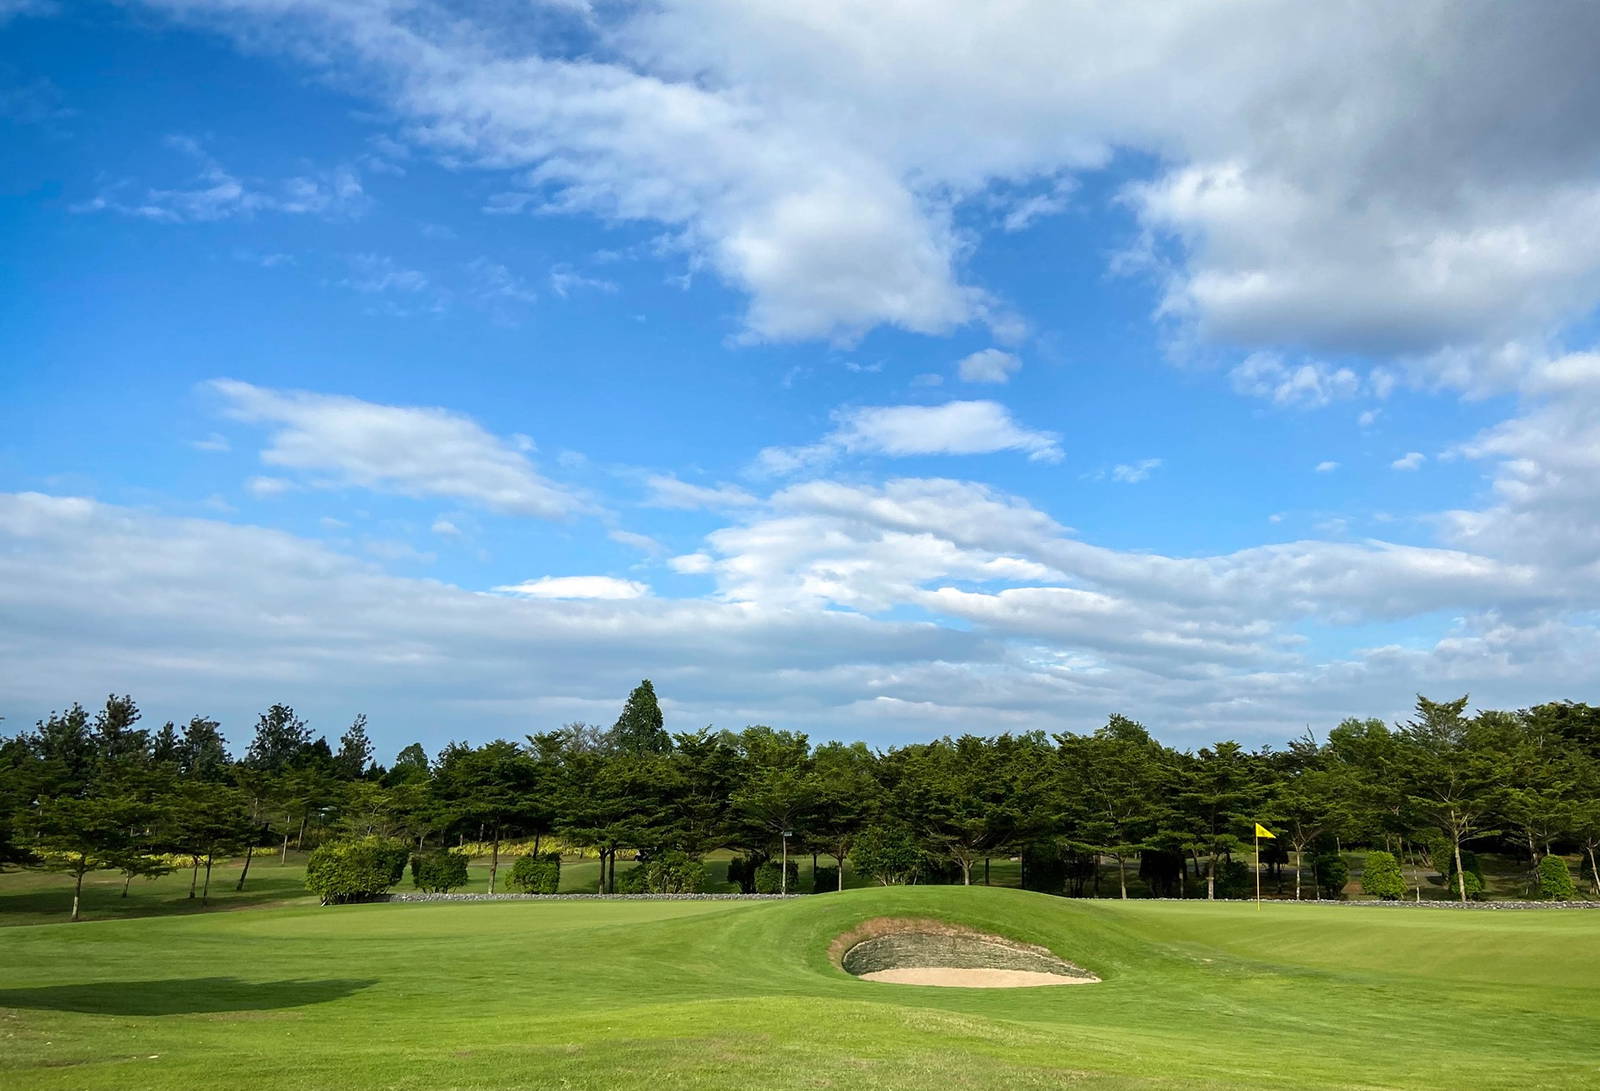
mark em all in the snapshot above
pixel 740 994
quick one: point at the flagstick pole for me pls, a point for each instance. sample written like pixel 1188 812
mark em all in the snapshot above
pixel 1258 873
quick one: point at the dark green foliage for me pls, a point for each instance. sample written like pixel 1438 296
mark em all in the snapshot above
pixel 641 728
pixel 669 873
pixel 348 871
pixel 769 878
pixel 1331 873
pixel 1162 871
pixel 1555 881
pixel 438 872
pixel 280 741
pixel 742 870
pixel 824 879
pixel 889 854
pixel 537 874
pixel 1235 880
pixel 354 758
pixel 1044 868
pixel 1381 876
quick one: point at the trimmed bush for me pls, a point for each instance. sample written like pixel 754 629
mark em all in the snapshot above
pixel 1381 876
pixel 349 871
pixel 438 872
pixel 1331 873
pixel 824 879
pixel 1044 868
pixel 536 874
pixel 887 853
pixel 769 878
pixel 1555 881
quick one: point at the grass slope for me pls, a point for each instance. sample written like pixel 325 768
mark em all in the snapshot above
pixel 737 994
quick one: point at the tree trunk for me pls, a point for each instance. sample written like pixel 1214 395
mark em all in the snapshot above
pixel 284 859
pixel 1122 876
pixel 300 839
pixel 536 844
pixel 1095 864
pixel 985 871
pixel 611 882
pixel 1211 879
pixel 1594 870
pixel 601 889
pixel 494 858
pixel 1299 866
pixel 1461 879
pixel 205 893
pixel 840 857
pixel 194 875
pixel 126 879
pixel 249 852
pixel 77 887
pixel 966 870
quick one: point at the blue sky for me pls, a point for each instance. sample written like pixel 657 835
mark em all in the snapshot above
pixel 858 370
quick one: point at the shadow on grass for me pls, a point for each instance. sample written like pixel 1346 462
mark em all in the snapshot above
pixel 180 996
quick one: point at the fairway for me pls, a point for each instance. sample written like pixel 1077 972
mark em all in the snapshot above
pixel 730 994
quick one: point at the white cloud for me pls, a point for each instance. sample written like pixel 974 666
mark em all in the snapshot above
pixel 407 450
pixel 564 281
pixel 1327 467
pixel 578 587
pixel 667 491
pixel 642 542
pixel 445 528
pixel 691 564
pixel 268 486
pixel 989 366
pixel 215 194
pixel 215 442
pixel 1131 473
pixel 1411 460
pixel 1307 385
pixel 899 431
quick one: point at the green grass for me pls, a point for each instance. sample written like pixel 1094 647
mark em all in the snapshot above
pixel 665 995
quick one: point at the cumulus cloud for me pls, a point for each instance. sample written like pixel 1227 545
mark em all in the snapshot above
pixel 989 366
pixel 899 431
pixel 342 441
pixel 1327 467
pixel 578 587
pixel 1411 460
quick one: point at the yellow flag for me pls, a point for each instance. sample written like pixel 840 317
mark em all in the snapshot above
pixel 1262 831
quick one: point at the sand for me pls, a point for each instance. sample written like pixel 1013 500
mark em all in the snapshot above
pixel 973 978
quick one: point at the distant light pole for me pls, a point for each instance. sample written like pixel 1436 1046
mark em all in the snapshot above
pixel 783 876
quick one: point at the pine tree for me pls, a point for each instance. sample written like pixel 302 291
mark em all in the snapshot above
pixel 641 728
pixel 355 751
pixel 281 736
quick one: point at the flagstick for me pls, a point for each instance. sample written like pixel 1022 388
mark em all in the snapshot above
pixel 1258 873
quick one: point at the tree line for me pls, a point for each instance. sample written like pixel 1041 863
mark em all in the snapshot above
pixel 82 792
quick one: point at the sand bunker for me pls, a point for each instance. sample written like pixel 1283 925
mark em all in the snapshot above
pixel 904 951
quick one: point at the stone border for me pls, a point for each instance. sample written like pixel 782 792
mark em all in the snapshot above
pixel 420 897
pixel 1407 903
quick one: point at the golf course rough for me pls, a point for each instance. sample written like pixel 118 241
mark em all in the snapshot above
pixel 649 996
pixel 919 951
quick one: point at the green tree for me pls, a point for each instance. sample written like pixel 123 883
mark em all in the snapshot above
pixel 354 759
pixel 641 727
pixel 1455 779
pixel 887 853
pixel 78 836
pixel 280 741
pixel 203 752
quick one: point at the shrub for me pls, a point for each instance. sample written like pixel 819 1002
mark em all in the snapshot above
pixel 438 872
pixel 536 874
pixel 633 881
pixel 769 878
pixel 1381 876
pixel 348 871
pixel 1332 873
pixel 1555 881
pixel 671 873
pixel 1044 868
pixel 742 870
pixel 887 853
pixel 824 879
